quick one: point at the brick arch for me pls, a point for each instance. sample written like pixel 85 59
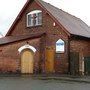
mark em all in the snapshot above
pixel 27 46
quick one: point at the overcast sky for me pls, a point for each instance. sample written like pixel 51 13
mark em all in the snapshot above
pixel 9 9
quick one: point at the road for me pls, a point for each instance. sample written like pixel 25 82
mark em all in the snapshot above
pixel 27 83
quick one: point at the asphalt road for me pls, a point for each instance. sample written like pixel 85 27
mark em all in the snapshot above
pixel 27 83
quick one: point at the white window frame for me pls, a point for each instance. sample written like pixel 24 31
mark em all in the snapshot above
pixel 60 46
pixel 32 13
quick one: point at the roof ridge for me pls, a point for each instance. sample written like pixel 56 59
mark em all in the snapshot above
pixel 59 9
pixel 65 12
pixel 72 23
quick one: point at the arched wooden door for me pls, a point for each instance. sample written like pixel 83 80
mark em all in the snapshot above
pixel 27 62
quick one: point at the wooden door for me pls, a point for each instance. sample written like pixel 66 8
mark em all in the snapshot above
pixel 27 62
pixel 49 60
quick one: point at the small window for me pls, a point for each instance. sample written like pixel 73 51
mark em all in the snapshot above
pixel 34 18
pixel 60 46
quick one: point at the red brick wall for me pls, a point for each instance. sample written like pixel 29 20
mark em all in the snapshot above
pixel 81 46
pixel 53 34
pixel 47 25
pixel 9 53
pixel 10 57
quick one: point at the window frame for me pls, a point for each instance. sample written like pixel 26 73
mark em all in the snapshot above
pixel 37 12
pixel 63 46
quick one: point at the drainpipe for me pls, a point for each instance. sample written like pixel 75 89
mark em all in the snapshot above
pixel 42 53
pixel 69 71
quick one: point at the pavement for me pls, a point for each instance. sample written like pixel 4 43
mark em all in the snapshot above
pixel 81 79
pixel 66 78
pixel 30 83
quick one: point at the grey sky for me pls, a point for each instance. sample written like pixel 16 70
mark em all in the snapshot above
pixel 9 9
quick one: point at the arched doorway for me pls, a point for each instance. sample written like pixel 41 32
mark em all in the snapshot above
pixel 27 59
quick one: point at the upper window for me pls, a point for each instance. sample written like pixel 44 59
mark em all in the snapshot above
pixel 60 46
pixel 34 18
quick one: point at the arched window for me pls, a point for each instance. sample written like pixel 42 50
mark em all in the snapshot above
pixel 60 46
pixel 34 18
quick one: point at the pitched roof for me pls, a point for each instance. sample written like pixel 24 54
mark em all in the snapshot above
pixel 11 39
pixel 71 23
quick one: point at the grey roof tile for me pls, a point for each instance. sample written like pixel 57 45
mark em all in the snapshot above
pixel 11 39
pixel 73 24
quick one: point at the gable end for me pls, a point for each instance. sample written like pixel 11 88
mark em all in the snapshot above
pixel 22 11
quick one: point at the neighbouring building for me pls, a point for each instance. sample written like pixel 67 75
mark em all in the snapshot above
pixel 45 39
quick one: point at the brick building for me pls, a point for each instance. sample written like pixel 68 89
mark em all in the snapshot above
pixel 45 39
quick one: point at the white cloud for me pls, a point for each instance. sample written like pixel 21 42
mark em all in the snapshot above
pixel 8 12
pixel 10 8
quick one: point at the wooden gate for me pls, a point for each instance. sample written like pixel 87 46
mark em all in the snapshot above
pixel 87 65
pixel 49 63
pixel 74 63
pixel 27 62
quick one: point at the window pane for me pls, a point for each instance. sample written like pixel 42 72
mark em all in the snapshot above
pixel 34 18
pixel 30 20
pixel 60 46
pixel 40 18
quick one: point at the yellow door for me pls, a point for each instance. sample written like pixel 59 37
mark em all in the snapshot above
pixel 27 62
pixel 50 60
